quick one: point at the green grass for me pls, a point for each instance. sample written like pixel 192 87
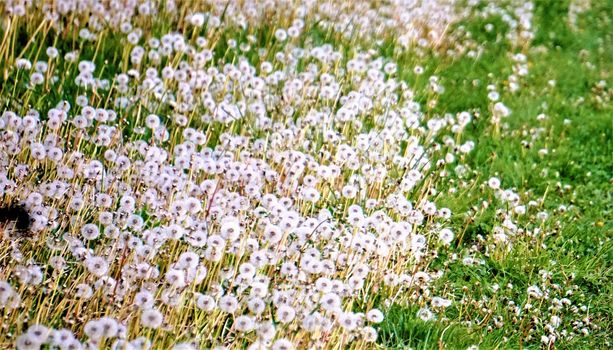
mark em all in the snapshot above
pixel 580 155
pixel 402 329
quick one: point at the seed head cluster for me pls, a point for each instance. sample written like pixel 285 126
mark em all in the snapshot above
pixel 215 175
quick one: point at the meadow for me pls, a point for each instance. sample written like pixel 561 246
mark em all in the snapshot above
pixel 403 174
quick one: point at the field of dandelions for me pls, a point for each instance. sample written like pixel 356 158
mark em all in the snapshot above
pixel 225 174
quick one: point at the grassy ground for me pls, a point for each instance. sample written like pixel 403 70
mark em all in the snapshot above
pixel 577 172
pixel 556 148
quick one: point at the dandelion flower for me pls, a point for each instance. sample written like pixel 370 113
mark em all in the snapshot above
pixel 27 342
pixel 38 333
pixel 93 329
pixel 151 318
pixel 374 316
pixel 282 344
pixel 228 303
pixel 425 314
pixel 97 266
pixel 438 302
pixel 285 314
pixel 90 232
pixel 445 236
pixel 144 299
pixel 205 302
pixel 369 334
pixel 244 324
pixel 84 291
pixel 493 183
pixel 330 302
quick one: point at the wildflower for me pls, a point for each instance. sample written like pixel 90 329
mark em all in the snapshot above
pixel 555 321
pixel 285 314
pixel 347 320
pixel 183 346
pixel 141 343
pixel 244 323
pixel 205 302
pixel 90 231
pixel 144 299
pixel 23 63
pixel 349 191
pixel 519 210
pixel 281 34
pixel 151 318
pixel 176 278
pixel 94 330
pixel 535 292
pixel 38 333
pixel 83 291
pixel 97 266
pixel 493 183
pixel 109 326
pixel 266 331
pixel 256 305
pixel 197 19
pixel 228 304
pixel 425 314
pixel 438 302
pixel 230 229
pixel 330 302
pixel 374 316
pixel 369 334
pixel 27 342
pixel 445 236
pixel 171 297
pixel 500 110
pixel 282 344
pixel 493 96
